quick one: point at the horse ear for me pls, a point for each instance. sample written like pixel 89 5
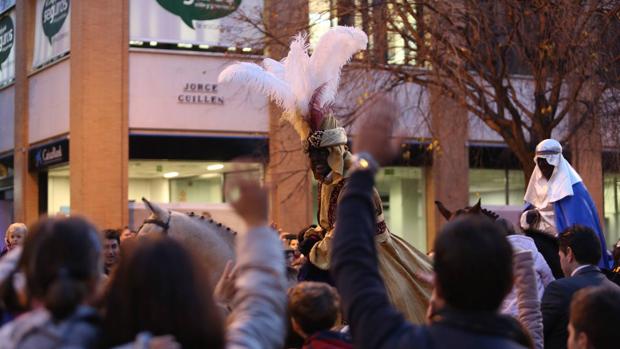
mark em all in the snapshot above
pixel 477 208
pixel 443 210
pixel 156 210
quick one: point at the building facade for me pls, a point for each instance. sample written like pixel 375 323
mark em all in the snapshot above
pixel 103 103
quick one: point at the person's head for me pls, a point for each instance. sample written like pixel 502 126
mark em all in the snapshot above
pixel 318 162
pixel 64 263
pixel 160 287
pixel 289 256
pixel 293 244
pixel 548 156
pixel 579 245
pixel 111 248
pixel 545 168
pixel 473 264
pixel 313 307
pixel 594 315
pixel 127 233
pixel 15 235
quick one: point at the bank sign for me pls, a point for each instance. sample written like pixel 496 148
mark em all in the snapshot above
pixel 7 47
pixel 48 155
pixel 200 22
pixel 52 37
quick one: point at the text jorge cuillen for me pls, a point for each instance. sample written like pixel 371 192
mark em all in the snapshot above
pixel 199 93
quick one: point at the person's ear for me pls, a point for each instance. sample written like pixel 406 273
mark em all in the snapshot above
pixel 298 329
pixel 582 341
pixel 570 255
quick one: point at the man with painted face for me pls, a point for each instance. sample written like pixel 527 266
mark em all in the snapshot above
pixel 331 162
pixel 305 87
pixel 557 193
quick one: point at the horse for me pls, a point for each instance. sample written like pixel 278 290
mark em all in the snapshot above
pixel 211 241
pixel 468 210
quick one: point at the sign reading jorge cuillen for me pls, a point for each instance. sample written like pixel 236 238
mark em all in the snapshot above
pixel 201 10
pixel 54 14
pixel 7 36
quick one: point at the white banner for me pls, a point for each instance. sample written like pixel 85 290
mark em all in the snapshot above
pixel 199 22
pixel 7 47
pixel 52 36
pixel 180 92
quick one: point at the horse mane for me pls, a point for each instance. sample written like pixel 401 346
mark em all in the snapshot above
pixel 207 219
pixel 467 210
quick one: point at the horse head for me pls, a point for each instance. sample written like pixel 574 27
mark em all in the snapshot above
pixel 468 210
pixel 212 241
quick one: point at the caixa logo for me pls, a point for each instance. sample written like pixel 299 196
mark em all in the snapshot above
pixel 46 156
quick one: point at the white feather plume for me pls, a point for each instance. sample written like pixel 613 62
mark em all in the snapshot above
pixel 274 67
pixel 334 49
pixel 292 82
pixel 266 82
pixel 297 72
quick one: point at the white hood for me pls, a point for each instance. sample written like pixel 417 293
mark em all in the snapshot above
pixel 541 192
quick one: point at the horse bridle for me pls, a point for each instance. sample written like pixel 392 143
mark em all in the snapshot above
pixel 158 222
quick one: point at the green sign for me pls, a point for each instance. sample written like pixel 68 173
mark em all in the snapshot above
pixel 190 10
pixel 54 14
pixel 7 36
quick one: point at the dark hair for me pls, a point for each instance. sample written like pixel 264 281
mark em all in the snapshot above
pixel 63 263
pixel 160 287
pixel 314 306
pixel 583 242
pixel 112 234
pixel 596 312
pixel 473 264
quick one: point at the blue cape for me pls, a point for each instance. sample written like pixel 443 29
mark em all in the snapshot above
pixel 580 209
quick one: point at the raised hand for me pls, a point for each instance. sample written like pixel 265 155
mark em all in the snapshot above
pixel 375 134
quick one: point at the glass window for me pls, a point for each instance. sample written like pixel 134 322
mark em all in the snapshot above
pixel 166 181
pixel 496 187
pixel 611 212
pixel 58 191
pixel 402 193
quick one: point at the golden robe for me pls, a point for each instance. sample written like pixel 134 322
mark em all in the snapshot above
pixel 398 260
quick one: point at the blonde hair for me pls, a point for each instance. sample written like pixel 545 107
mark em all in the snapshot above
pixel 15 227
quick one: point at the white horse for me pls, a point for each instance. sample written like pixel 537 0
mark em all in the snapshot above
pixel 213 242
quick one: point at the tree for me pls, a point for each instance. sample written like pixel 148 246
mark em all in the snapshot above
pixel 480 52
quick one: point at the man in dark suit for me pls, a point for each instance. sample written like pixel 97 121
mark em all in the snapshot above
pixel 579 253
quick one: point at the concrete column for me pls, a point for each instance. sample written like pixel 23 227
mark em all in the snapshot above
pixel 99 108
pixel 288 169
pixel 447 180
pixel 26 188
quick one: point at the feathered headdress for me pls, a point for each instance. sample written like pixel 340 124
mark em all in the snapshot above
pixel 304 86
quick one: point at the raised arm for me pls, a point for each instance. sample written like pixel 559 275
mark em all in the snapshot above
pixel 375 323
pixel 259 305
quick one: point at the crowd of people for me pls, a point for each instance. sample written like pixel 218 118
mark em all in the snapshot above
pixel 66 284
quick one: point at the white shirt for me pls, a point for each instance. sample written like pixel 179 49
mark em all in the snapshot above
pixel 579 268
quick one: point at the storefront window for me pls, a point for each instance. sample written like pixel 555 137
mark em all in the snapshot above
pixel 496 187
pixel 611 210
pixel 165 181
pixel 58 191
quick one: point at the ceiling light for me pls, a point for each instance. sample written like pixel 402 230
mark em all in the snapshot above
pixel 215 167
pixel 171 174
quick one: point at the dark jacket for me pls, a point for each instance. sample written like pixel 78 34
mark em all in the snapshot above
pixel 548 246
pixel 374 322
pixel 556 303
pixel 328 340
